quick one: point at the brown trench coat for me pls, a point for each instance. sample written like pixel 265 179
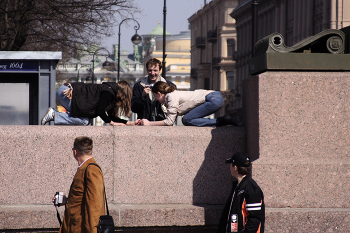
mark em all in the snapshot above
pixel 83 215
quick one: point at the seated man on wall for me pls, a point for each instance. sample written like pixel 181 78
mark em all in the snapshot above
pixel 143 102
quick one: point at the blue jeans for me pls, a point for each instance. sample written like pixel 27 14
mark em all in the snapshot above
pixel 62 118
pixel 195 117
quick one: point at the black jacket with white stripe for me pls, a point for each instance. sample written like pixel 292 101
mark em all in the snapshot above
pixel 246 203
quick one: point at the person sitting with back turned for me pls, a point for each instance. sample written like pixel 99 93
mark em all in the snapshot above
pixel 143 102
pixel 193 105
pixel 245 209
pixel 85 101
pixel 86 201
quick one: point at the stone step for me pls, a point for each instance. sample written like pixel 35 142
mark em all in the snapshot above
pixel 127 217
pixel 124 215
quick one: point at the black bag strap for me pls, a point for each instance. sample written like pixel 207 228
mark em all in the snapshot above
pixel 103 183
pixel 58 216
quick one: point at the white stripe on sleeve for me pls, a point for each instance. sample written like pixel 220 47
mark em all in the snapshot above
pixel 253 204
pixel 256 208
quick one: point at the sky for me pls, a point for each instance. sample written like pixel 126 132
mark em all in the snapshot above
pixel 178 11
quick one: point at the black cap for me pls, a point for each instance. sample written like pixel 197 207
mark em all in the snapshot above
pixel 239 159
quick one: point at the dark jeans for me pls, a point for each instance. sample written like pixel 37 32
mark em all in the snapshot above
pixel 195 117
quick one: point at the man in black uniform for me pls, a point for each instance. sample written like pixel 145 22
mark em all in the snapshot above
pixel 143 102
pixel 245 209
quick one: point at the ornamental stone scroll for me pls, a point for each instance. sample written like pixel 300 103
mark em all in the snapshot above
pixel 327 41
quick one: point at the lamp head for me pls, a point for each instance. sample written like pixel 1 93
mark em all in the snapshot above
pixel 136 39
pixel 106 65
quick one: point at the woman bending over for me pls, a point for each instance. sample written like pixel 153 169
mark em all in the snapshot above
pixel 85 101
pixel 192 105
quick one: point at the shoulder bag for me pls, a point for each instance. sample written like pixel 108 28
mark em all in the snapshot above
pixel 105 224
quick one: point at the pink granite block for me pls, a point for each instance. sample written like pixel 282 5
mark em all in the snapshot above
pixel 182 165
pixel 301 220
pixel 140 164
pixel 166 215
pixel 124 215
pixel 28 216
pixel 161 215
pixel 300 132
pixel 306 114
pixel 37 161
pixel 308 185
pixel 127 215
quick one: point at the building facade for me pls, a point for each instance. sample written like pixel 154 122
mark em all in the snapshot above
pixel 294 19
pixel 213 46
pixel 178 56
pixel 102 65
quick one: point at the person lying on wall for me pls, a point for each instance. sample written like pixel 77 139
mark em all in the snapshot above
pixel 86 101
pixel 194 106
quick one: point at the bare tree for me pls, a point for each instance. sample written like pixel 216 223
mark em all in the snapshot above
pixel 62 25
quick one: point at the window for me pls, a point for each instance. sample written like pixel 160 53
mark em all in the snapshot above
pixel 14 104
pixel 230 80
pixel 230 47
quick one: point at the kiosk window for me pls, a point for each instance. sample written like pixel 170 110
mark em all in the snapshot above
pixel 14 104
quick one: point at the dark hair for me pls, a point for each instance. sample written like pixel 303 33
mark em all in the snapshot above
pixel 163 88
pixel 154 62
pixel 83 145
pixel 245 170
pixel 123 99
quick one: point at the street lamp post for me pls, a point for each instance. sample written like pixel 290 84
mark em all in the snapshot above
pixel 254 23
pixel 164 38
pixel 93 61
pixel 93 70
pixel 78 73
pixel 135 39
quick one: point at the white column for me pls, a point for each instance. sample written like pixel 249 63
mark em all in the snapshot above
pixel 283 18
pixel 346 13
pixel 334 20
pixel 183 80
pixel 309 20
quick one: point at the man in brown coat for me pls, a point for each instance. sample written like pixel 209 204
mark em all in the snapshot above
pixel 85 203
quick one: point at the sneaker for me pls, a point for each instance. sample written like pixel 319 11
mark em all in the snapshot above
pixel 226 120
pixel 49 116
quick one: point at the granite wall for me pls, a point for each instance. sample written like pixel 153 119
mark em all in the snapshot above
pixel 297 133
pixel 298 126
pixel 154 176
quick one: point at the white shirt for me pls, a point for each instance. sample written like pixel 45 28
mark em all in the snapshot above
pixel 84 162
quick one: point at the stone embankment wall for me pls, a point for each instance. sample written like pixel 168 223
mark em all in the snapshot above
pixel 154 176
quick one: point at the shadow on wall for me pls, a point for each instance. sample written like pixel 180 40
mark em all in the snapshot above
pixel 251 115
pixel 212 184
